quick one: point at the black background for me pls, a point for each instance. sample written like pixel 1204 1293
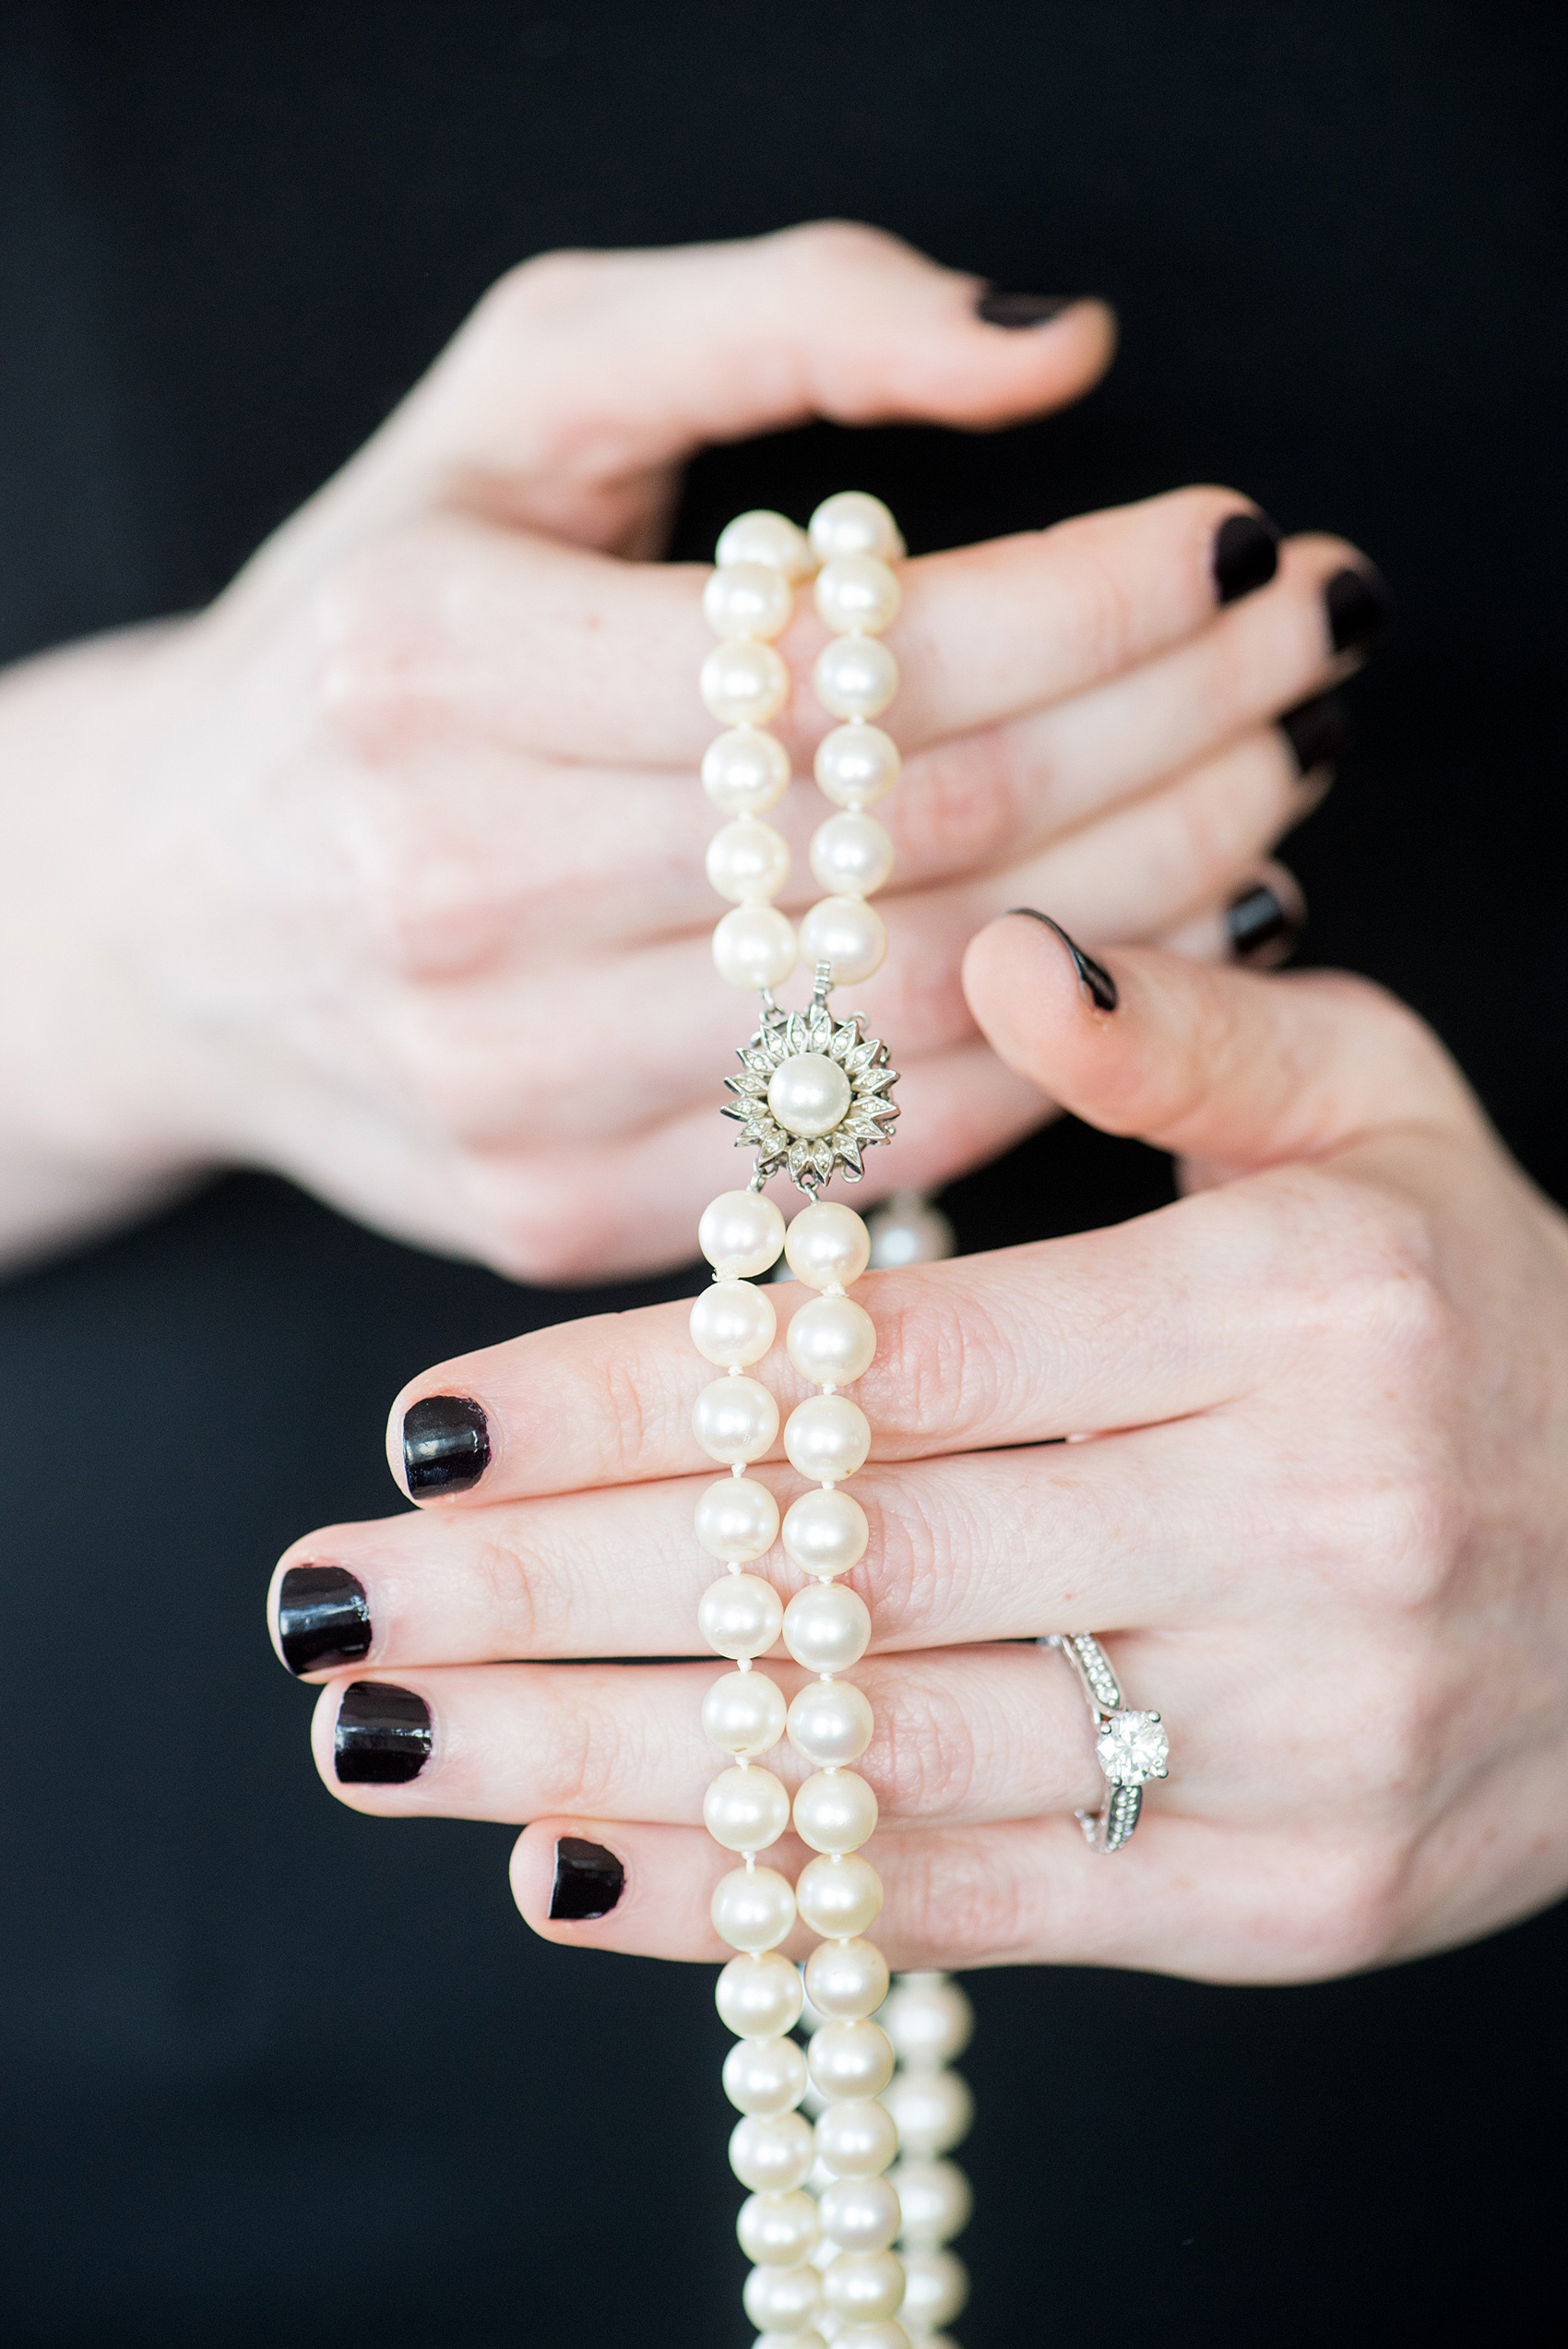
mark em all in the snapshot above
pixel 273 2072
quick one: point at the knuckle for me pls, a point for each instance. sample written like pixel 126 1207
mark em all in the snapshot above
pixel 952 1897
pixel 942 1367
pixel 924 1757
pixel 1348 1907
pixel 376 639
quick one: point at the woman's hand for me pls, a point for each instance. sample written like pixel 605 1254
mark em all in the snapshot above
pixel 1316 1502
pixel 387 871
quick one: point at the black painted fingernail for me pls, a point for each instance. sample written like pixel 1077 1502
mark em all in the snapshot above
pixel 1016 310
pixel 1360 609
pixel 588 1879
pixel 445 1444
pixel 383 1736
pixel 1316 730
pixel 1246 556
pixel 1264 926
pixel 322 1617
pixel 1095 980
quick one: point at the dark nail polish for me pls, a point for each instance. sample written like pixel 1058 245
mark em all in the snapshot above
pixel 588 1879
pixel 445 1444
pixel 322 1617
pixel 1246 556
pixel 1316 730
pixel 1264 927
pixel 383 1736
pixel 1017 310
pixel 1095 980
pixel 1360 609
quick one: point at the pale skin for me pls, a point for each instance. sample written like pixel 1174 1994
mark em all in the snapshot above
pixel 1316 1509
pixel 370 873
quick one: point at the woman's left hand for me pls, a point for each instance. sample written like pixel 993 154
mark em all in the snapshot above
pixel 1318 1508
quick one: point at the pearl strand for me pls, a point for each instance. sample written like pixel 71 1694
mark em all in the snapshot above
pixel 928 2021
pixel 830 2261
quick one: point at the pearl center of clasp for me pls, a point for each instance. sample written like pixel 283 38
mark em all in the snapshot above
pixel 808 1094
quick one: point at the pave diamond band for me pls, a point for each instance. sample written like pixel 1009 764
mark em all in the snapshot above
pixel 1130 1746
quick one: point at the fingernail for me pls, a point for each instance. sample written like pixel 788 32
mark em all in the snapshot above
pixel 1246 556
pixel 1264 926
pixel 588 1879
pixel 445 1444
pixel 1360 609
pixel 382 1737
pixel 1095 980
pixel 322 1617
pixel 1017 310
pixel 1316 730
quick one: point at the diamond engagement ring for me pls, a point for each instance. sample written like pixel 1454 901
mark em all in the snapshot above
pixel 1131 1747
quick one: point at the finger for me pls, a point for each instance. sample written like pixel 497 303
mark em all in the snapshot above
pixel 582 372
pixel 1184 1897
pixel 1160 1527
pixel 1238 1070
pixel 555 652
pixel 978 1734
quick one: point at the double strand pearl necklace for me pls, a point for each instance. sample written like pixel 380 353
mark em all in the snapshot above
pixel 814 1095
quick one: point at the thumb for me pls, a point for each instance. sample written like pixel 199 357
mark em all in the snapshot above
pixel 582 378
pixel 1228 1067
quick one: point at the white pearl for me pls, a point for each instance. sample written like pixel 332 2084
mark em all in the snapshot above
pixel 826 1437
pixel 908 1230
pixel 835 1811
pixel 783 2300
pixel 847 1980
pixel 746 1809
pixel 848 933
pixel 732 1324
pixel 837 1897
pixel 856 765
pixel 861 2213
pixel 929 2020
pixel 740 1234
pixel 809 1093
pixel 759 1997
pixel 754 946
pixel 864 2286
pixel 827 1246
pixel 828 1629
pixel 737 1419
pixel 778 2230
pixel 752 1908
pixel 744 1713
pixel 936 2287
pixel 831 1342
pixel 811 2339
pixel 830 1721
pixel 856 2138
pixel 771 2152
pixel 751 599
pixel 853 522
pixel 739 1616
pixel 851 2059
pixel 823 1533
pixel 889 2334
pixel 747 861
pixel 737 1519
pixel 763 536
pixel 854 676
pixel 764 2075
pixel 856 594
pixel 851 854
pixel 933 2109
pixel 745 771
pixel 935 2199
pixel 745 685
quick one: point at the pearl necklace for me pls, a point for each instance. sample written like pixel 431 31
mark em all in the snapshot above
pixel 814 1095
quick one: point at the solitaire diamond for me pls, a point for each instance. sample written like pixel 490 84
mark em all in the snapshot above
pixel 1133 1748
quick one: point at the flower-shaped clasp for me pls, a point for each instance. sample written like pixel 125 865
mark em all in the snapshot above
pixel 812 1093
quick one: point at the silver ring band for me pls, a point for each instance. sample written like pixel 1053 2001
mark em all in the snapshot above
pixel 1131 1747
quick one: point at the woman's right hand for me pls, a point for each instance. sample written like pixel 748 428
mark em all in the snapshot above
pixel 386 871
